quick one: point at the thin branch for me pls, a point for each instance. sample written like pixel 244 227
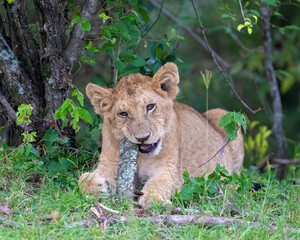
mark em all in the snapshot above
pixel 220 150
pixel 190 31
pixel 23 144
pixel 276 162
pixel 168 220
pixel 161 7
pixel 74 46
pixel 217 63
pixel 11 113
pixel 241 7
pixel 275 93
pixel 99 205
pixel 223 146
pixel 285 161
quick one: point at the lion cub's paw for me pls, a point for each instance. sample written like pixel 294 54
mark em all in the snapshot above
pixel 93 183
pixel 146 200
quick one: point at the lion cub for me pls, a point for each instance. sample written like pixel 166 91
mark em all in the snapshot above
pixel 171 136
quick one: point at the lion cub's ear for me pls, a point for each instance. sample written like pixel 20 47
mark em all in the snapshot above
pixel 101 98
pixel 167 78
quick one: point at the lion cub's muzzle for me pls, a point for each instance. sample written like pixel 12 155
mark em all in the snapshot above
pixel 147 148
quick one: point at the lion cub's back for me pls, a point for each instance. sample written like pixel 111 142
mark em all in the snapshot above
pixel 201 139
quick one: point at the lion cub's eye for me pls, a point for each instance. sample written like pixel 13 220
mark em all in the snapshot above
pixel 123 114
pixel 150 107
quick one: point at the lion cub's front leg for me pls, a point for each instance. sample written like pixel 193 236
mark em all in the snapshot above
pixel 161 187
pixel 93 183
pixel 101 179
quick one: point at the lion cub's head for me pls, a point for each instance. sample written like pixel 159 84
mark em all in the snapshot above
pixel 139 108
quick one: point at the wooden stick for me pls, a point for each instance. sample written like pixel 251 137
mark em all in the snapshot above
pixel 127 169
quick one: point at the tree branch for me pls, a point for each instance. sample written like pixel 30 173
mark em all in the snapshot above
pixel 74 46
pixel 275 93
pixel 214 57
pixel 11 113
pixel 161 7
pixel 127 168
pixel 190 31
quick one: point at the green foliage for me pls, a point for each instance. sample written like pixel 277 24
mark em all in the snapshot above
pixel 70 110
pixel 256 145
pixel 23 113
pixel 122 35
pixel 23 118
pixel 248 24
pixel 231 122
pixel 51 158
pixel 85 25
pixel 195 188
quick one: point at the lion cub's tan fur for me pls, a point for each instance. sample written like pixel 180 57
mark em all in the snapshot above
pixel 185 138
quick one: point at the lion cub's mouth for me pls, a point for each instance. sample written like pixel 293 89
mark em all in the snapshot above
pixel 147 148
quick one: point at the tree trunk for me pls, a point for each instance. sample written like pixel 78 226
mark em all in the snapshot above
pixel 275 93
pixel 36 70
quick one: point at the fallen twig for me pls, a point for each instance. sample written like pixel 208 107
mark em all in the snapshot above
pixel 189 211
pixel 102 219
pixel 276 161
pixel 107 209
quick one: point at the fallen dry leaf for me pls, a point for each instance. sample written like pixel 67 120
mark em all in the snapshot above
pixel 4 208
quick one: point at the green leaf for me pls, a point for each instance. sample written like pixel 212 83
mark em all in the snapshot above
pixel 79 96
pixel 139 62
pixel 250 30
pixel 66 163
pixel 23 113
pixel 76 20
pixel 86 26
pixel 271 2
pixel 120 65
pixel 88 60
pixel 104 16
pixel 240 27
pixel 225 120
pixel 51 137
pixel 29 137
pixel 186 193
pixel 144 14
pixel 241 120
pixel 170 58
pixel 85 115
pixel 63 110
pixel 99 81
pixel 90 47
pixel 123 29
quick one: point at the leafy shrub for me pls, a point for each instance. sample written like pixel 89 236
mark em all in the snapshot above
pixel 195 188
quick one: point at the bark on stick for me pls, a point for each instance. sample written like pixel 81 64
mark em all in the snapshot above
pixel 127 168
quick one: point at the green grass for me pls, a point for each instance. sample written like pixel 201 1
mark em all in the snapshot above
pixel 30 202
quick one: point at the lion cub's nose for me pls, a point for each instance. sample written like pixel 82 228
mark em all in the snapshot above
pixel 142 139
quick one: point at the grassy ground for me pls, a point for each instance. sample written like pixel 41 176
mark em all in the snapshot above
pixel 31 204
